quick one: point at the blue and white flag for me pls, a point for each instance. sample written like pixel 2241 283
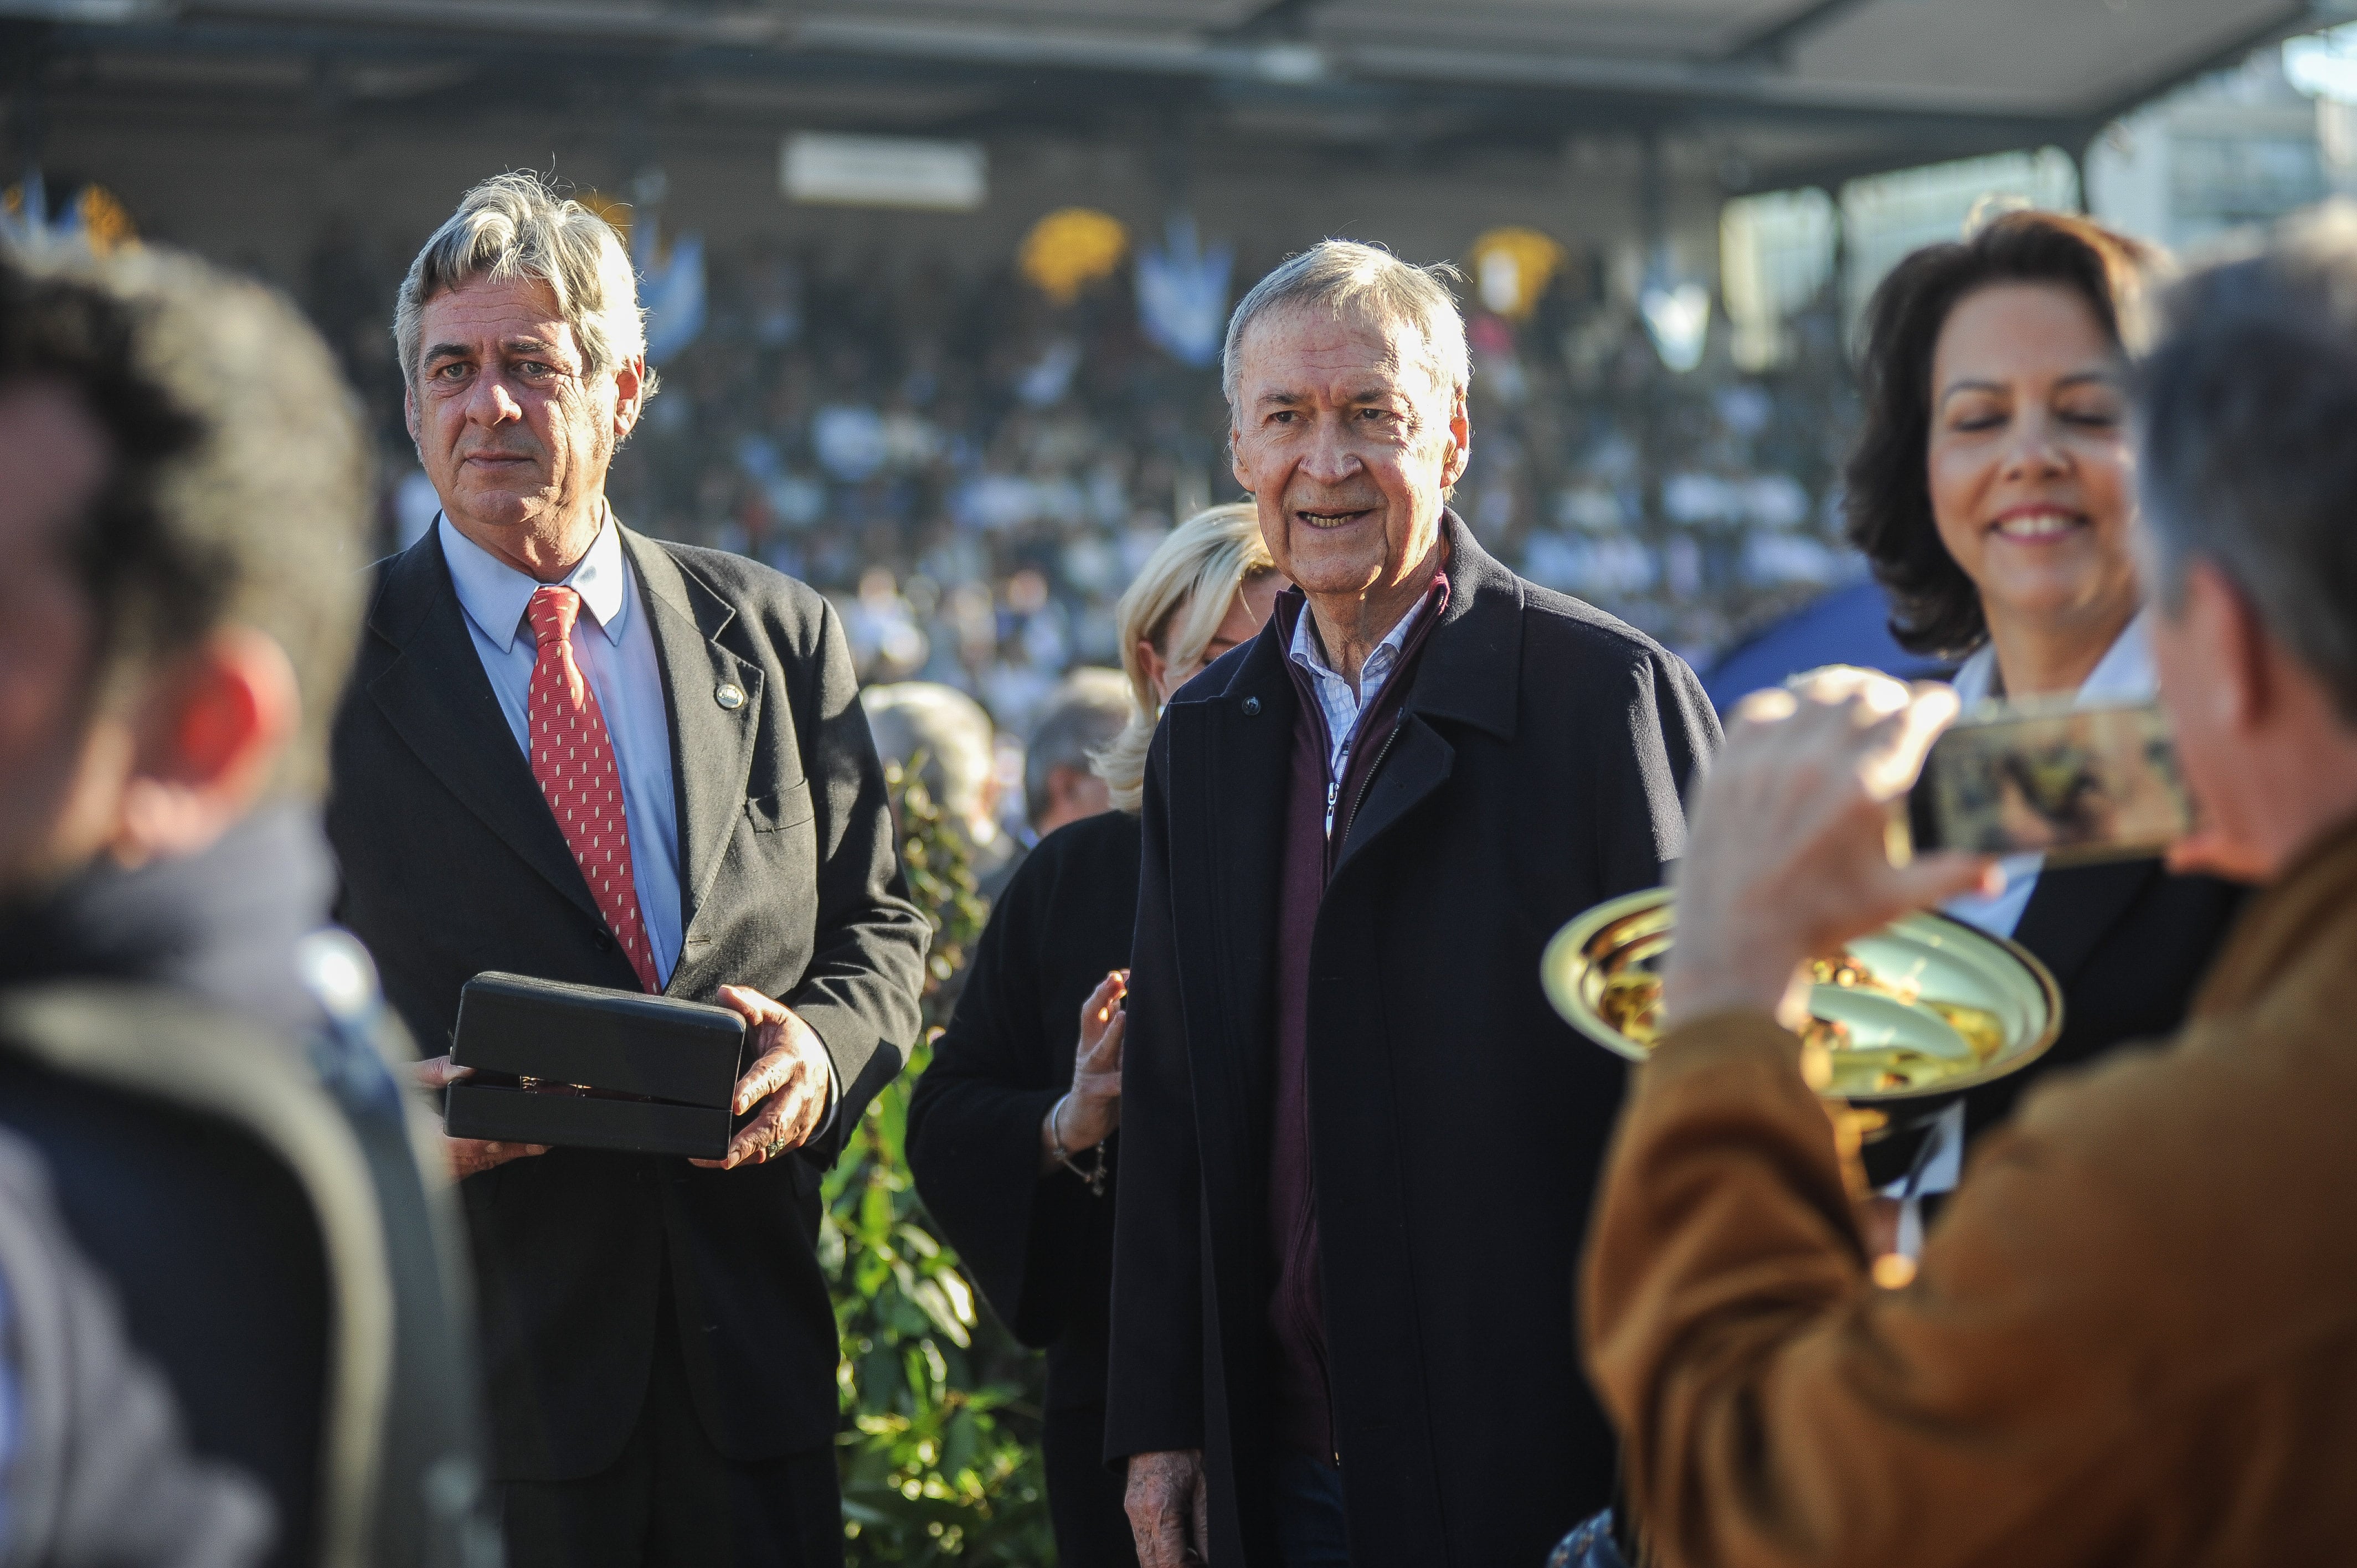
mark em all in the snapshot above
pixel 672 291
pixel 1182 294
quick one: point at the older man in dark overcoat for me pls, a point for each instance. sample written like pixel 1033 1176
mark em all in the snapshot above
pixel 1358 1147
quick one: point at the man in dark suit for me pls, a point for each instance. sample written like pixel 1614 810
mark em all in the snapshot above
pixel 573 752
pixel 1357 1144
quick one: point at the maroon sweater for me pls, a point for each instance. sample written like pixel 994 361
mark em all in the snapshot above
pixel 1302 1400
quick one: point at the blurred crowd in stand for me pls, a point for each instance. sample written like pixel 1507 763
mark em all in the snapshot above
pixel 973 473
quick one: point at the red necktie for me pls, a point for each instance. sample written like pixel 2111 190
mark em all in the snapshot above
pixel 573 762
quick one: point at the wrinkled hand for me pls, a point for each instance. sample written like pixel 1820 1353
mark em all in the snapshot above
pixel 788 1079
pixel 1094 1108
pixel 467 1155
pixel 1170 1509
pixel 1787 857
pixel 1086 1117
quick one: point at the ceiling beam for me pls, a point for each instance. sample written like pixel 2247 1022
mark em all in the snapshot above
pixel 1774 44
pixel 1275 19
pixel 1505 95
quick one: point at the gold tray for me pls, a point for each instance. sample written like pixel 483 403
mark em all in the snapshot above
pixel 1930 958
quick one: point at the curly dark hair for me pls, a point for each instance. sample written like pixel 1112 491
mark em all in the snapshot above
pixel 238 480
pixel 1887 497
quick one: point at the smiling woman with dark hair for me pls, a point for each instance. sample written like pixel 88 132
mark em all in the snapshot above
pixel 1993 489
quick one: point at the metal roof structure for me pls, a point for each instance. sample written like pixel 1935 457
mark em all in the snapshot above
pixel 1782 91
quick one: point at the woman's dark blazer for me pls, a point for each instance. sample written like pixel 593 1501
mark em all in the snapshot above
pixel 2128 942
pixel 1040 1248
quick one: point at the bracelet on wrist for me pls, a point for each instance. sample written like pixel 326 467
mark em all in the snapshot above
pixel 1094 1176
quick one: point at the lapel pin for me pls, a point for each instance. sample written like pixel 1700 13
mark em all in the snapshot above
pixel 729 695
pixel 1252 707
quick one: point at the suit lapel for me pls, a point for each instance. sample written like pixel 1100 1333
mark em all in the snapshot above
pixel 2072 909
pixel 711 745
pixel 1417 763
pixel 437 699
pixel 1468 673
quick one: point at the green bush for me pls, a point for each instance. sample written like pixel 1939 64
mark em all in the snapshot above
pixel 941 1457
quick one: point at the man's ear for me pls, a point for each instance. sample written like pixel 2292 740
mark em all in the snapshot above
pixel 2233 646
pixel 1236 459
pixel 409 415
pixel 629 389
pixel 1461 441
pixel 208 735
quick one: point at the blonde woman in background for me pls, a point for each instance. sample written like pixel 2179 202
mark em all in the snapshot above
pixel 1011 1130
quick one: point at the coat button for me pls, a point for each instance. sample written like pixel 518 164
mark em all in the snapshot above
pixel 1252 707
pixel 729 696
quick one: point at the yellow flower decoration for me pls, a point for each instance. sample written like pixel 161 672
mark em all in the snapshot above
pixel 1071 248
pixel 615 211
pixel 106 227
pixel 1512 269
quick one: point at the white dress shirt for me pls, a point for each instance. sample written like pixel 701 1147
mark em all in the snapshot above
pixel 619 662
pixel 2124 674
pixel 1341 705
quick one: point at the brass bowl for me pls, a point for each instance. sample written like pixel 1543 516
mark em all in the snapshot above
pixel 1923 1010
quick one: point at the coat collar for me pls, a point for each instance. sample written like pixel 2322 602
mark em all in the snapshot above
pixel 1471 668
pixel 495 596
pixel 2314 903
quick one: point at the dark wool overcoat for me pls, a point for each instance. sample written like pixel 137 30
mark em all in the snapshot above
pixel 1457 1123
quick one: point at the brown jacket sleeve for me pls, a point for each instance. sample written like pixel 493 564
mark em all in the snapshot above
pixel 2113 1349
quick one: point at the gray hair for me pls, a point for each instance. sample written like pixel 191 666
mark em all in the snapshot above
pixel 1082 716
pixel 949 728
pixel 515 226
pixel 1343 275
pixel 2247 415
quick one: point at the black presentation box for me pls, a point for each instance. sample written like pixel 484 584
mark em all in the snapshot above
pixel 593 1067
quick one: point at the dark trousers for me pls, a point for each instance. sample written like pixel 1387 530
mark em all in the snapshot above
pixel 672 1500
pixel 1084 1493
pixel 1313 1530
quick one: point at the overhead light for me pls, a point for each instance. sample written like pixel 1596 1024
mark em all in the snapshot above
pixel 1290 63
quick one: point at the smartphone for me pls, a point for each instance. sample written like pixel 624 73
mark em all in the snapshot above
pixel 2073 784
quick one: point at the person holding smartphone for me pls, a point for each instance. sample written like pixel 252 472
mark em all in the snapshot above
pixel 1011 1129
pixel 1992 490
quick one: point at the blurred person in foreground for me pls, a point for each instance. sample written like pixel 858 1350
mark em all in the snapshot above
pixel 1993 489
pixel 660 1348
pixel 954 738
pixel 1357 1142
pixel 202 1065
pixel 2132 1336
pixel 1080 719
pixel 97 1471
pixel 1011 1131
